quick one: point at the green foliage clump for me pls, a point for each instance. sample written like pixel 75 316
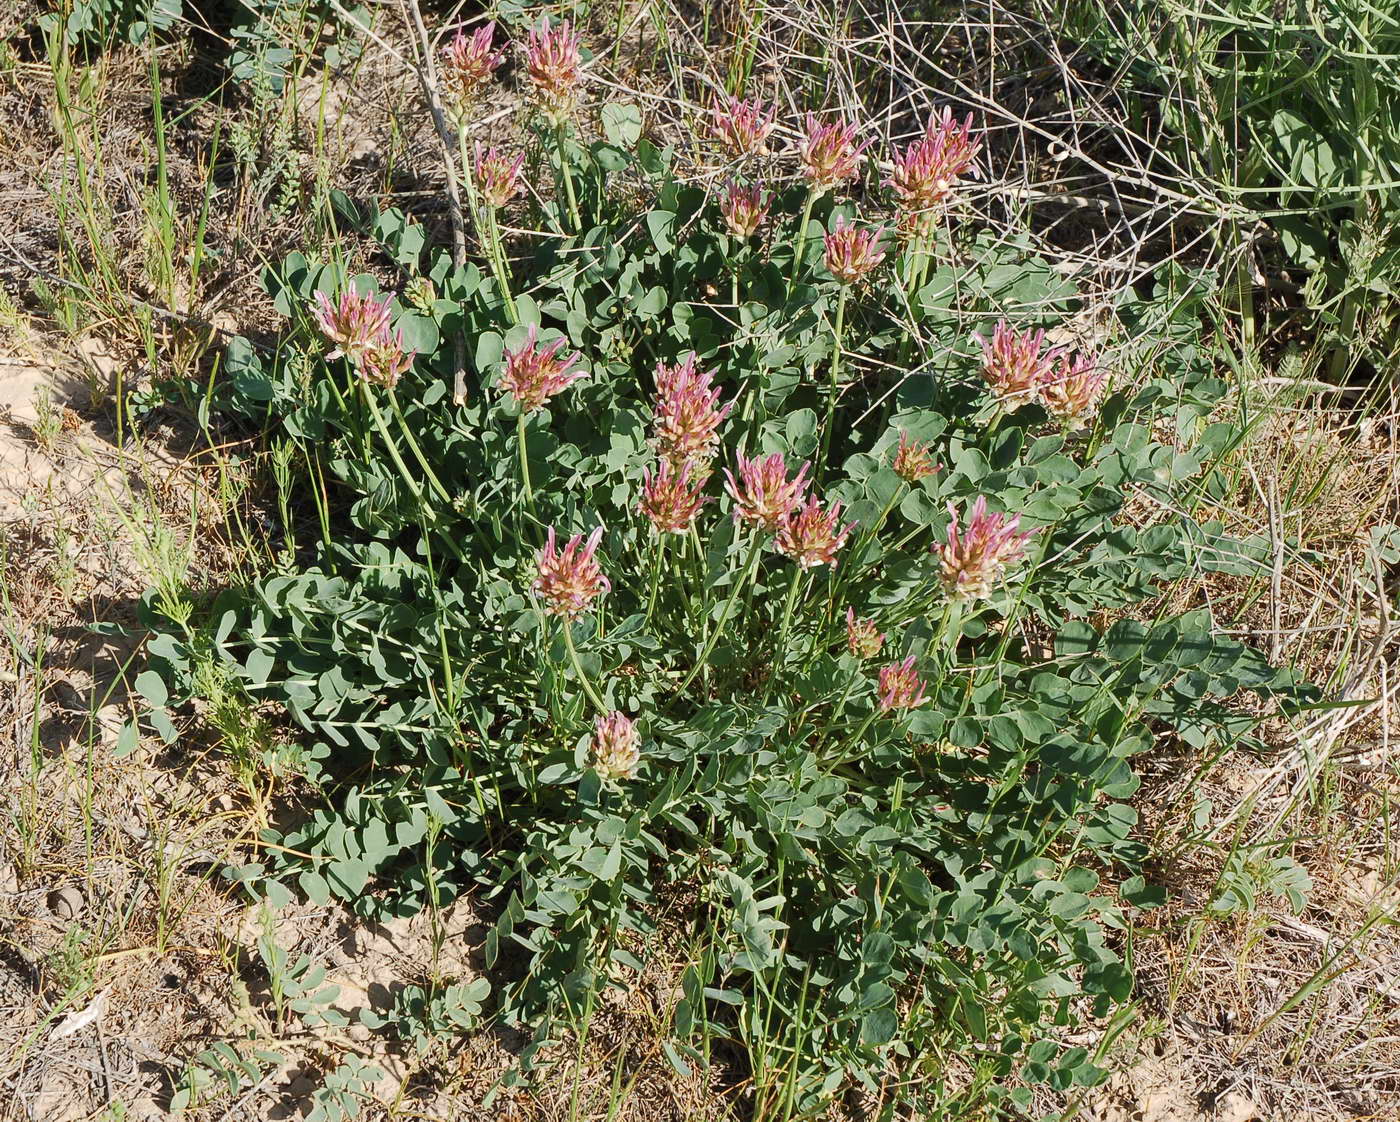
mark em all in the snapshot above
pixel 1281 113
pixel 855 889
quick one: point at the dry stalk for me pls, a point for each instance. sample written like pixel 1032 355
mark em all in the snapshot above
pixel 426 71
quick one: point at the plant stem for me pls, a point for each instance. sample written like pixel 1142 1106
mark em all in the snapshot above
pixel 656 558
pixel 390 445
pixel 468 180
pixel 524 463
pixel 578 669
pixel 835 373
pixel 414 447
pixel 836 711
pixel 783 630
pixel 857 554
pixel 617 31
pixel 841 756
pixel 498 265
pixel 567 177
pixel 745 578
pixel 801 237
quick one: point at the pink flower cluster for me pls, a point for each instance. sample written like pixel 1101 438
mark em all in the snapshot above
pixel 742 127
pixel 863 638
pixel 554 66
pixel 744 209
pixel 687 415
pixel 900 686
pixel 1019 368
pixel 616 746
pixel 912 460
pixel 569 580
pixel 497 176
pixel 534 373
pixel 467 63
pixel 358 326
pixel 1014 363
pixel 974 557
pixel 671 500
pixel 829 155
pixel 764 496
pixel 1072 388
pixel 812 536
pixel 852 252
pixel 386 360
pixel 926 171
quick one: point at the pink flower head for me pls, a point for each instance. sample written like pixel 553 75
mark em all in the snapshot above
pixel 386 359
pixel 496 175
pixel 744 209
pixel 829 154
pixel 852 252
pixel 810 535
pixel 764 495
pixel 670 498
pixel 1072 388
pixel 900 686
pixel 534 374
pixel 862 638
pixel 742 126
pixel 912 461
pixel 687 412
pixel 926 171
pixel 353 322
pixel 616 746
pixel 570 579
pixel 1014 364
pixel 553 63
pixel 973 558
pixel 467 64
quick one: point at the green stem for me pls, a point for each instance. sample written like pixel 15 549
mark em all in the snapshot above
pixel 656 558
pixel 801 237
pixel 840 706
pixel 393 448
pixel 524 463
pixel 567 178
pixel 853 559
pixel 413 447
pixel 468 179
pixel 835 374
pixel 747 576
pixel 783 630
pixel 701 569
pixel 578 669
pixel 498 265
pixel 842 756
pixel 617 31
pixel 949 632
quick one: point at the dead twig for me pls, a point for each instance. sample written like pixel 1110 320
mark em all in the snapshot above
pixel 426 71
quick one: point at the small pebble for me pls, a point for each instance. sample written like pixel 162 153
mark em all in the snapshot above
pixel 65 903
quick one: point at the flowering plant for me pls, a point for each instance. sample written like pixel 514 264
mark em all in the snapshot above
pixel 764 612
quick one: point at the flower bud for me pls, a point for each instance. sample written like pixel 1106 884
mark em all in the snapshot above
pixel 569 580
pixel 616 746
pixel 974 557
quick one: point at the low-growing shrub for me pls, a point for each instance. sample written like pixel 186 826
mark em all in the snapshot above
pixel 759 610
